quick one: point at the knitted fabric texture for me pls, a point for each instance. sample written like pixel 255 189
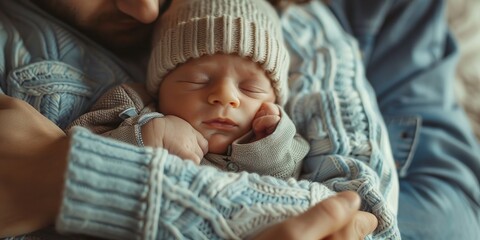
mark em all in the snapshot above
pixel 165 197
pixel 248 28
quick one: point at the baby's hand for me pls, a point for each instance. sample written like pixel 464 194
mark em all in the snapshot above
pixel 266 120
pixel 177 136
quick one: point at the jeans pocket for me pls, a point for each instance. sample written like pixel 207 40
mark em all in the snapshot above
pixel 57 90
pixel 403 134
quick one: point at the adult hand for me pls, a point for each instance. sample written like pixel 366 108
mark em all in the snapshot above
pixel 337 217
pixel 177 136
pixel 33 154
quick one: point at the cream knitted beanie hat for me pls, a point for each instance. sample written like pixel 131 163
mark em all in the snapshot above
pixel 193 28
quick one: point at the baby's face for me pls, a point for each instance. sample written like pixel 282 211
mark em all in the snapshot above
pixel 218 95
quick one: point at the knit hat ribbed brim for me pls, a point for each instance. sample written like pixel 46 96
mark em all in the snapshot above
pixel 193 28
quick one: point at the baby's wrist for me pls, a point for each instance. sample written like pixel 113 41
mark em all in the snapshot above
pixel 148 133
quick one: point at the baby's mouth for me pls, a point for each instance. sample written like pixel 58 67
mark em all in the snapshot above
pixel 221 124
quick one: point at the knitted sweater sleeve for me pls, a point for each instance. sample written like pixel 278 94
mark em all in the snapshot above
pixel 334 108
pixel 116 190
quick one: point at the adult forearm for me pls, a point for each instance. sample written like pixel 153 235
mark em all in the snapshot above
pixel 30 191
pixel 33 157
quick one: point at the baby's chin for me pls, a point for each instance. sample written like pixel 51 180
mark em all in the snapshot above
pixel 218 143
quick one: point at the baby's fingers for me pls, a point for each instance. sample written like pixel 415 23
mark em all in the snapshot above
pixel 267 109
pixel 265 125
